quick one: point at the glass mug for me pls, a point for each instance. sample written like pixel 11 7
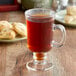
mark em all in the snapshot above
pixel 40 26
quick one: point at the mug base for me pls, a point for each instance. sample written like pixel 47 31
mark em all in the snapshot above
pixel 39 66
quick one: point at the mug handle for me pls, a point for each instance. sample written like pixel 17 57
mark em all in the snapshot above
pixel 62 29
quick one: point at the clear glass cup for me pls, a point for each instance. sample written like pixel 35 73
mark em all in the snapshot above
pixel 40 27
pixel 71 2
pixel 62 4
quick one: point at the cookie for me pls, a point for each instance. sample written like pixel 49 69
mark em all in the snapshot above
pixel 70 19
pixel 5 24
pixel 7 34
pixel 19 28
pixel 71 10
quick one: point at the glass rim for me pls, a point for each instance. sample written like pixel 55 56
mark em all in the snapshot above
pixel 52 13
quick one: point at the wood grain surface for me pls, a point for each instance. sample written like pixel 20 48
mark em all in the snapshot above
pixel 14 56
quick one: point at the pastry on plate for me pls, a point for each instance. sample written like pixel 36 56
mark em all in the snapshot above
pixel 19 28
pixel 5 24
pixel 7 34
pixel 70 19
pixel 71 10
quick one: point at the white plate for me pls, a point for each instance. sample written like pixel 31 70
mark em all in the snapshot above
pixel 14 40
pixel 60 18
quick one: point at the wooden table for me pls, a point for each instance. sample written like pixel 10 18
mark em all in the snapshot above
pixel 14 54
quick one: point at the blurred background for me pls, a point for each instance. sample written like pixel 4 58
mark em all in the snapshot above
pixel 12 5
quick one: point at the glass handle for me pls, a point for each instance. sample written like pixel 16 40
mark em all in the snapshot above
pixel 62 29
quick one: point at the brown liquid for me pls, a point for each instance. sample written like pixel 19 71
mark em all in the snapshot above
pixel 39 56
pixel 39 33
